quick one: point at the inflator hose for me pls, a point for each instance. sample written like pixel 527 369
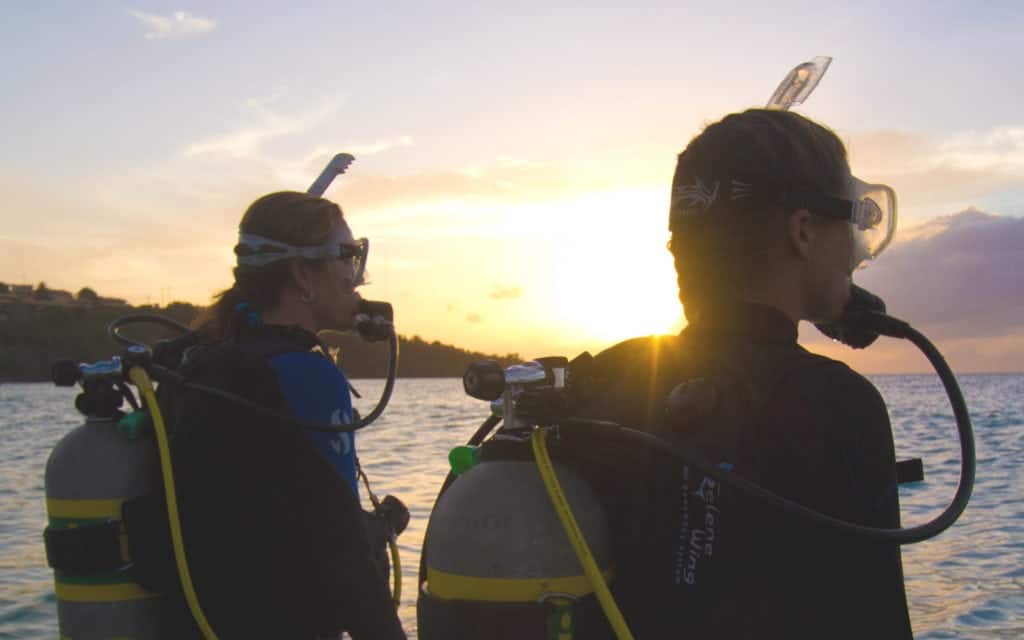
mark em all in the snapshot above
pixel 575 535
pixel 396 561
pixel 141 380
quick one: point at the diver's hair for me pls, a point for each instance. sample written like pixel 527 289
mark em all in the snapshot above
pixel 717 256
pixel 292 217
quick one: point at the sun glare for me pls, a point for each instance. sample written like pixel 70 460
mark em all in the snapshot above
pixel 615 280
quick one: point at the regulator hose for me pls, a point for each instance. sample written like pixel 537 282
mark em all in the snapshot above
pixel 141 379
pixel 885 325
pixel 163 374
pixel 114 328
pixel 575 535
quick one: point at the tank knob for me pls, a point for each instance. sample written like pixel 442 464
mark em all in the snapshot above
pixel 137 356
pixel 484 380
pixel 65 373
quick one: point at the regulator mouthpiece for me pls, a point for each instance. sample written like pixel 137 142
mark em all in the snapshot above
pixel 863 320
pixel 374 320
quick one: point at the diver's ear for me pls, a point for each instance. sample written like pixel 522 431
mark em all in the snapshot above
pixel 302 279
pixel 800 232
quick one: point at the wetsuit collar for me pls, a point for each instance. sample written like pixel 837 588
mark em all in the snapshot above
pixel 294 335
pixel 756 321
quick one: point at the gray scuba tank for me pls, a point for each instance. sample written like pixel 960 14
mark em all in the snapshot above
pixel 90 474
pixel 497 561
pixel 494 540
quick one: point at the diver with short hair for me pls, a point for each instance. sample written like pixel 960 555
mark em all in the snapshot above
pixel 767 227
pixel 270 512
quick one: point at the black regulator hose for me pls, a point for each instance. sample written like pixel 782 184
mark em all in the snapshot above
pixel 114 328
pixel 169 376
pixel 882 324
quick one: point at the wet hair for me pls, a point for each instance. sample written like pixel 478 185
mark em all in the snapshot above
pixel 292 217
pixel 722 252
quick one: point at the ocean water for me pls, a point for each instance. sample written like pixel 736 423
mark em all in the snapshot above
pixel 967 583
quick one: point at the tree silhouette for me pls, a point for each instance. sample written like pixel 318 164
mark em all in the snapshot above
pixel 85 294
pixel 42 292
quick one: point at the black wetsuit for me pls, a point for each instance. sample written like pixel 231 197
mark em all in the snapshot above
pixel 696 559
pixel 275 536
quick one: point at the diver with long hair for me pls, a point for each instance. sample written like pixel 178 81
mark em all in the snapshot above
pixel 270 512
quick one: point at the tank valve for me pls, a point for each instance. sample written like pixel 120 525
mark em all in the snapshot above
pixel 484 380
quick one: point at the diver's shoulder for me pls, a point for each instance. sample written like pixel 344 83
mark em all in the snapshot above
pixel 834 380
pixel 637 349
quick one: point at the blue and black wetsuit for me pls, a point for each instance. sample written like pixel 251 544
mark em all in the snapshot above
pixel 696 559
pixel 317 391
pixel 271 519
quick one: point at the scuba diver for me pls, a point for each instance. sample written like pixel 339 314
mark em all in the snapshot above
pixel 767 227
pixel 226 503
pixel 270 513
pixel 721 483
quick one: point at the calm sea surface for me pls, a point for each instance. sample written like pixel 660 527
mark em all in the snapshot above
pixel 967 583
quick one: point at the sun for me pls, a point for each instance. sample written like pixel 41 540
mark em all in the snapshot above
pixel 616 279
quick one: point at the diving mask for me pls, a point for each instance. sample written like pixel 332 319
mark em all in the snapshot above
pixel 870 209
pixel 257 251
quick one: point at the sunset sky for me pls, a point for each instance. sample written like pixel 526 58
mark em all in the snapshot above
pixel 512 160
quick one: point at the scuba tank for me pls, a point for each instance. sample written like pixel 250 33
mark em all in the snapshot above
pixel 91 473
pixel 113 537
pixel 497 563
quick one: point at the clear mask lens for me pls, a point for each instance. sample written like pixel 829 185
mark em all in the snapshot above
pixel 354 256
pixel 874 218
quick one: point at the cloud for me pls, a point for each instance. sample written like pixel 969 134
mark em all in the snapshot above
pixel 497 183
pixel 180 24
pixel 246 142
pixel 369 148
pixel 474 318
pixel 950 172
pixel 506 293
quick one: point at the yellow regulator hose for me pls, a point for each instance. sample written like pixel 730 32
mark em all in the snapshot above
pixel 140 378
pixel 575 535
pixel 396 561
pixel 396 566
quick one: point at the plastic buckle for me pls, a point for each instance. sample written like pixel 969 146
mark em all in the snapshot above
pixel 560 619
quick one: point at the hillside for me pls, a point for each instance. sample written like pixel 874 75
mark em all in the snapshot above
pixel 32 336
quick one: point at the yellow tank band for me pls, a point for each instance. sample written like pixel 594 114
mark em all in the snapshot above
pixel 77 509
pixel 102 593
pixel 453 586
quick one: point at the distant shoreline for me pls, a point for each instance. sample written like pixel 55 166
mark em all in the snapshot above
pixel 34 335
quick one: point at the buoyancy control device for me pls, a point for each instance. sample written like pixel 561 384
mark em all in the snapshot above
pixel 113 535
pixel 490 494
